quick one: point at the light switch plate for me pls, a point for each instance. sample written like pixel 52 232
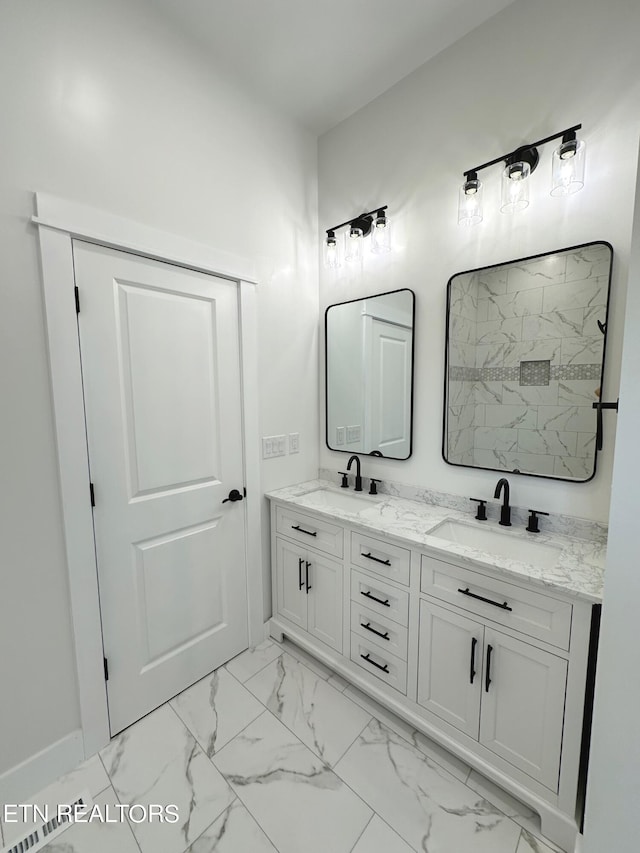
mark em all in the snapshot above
pixel 274 445
pixel 353 433
pixel 294 442
pixel 339 435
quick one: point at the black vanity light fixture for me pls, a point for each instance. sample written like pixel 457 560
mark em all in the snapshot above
pixel 375 222
pixel 567 175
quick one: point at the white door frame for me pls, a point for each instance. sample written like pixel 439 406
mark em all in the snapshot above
pixel 59 221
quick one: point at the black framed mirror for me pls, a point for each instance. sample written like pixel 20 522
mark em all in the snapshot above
pixel 369 345
pixel 524 363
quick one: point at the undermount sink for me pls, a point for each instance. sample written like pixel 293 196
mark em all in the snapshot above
pixel 339 500
pixel 499 543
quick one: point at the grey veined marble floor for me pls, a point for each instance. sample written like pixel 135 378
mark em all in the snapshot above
pixel 273 752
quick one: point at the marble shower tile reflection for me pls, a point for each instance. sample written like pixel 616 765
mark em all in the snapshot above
pixel 490 355
pixel 488 392
pixel 235 831
pixel 216 709
pixel 586 445
pixel 96 837
pixel 298 801
pixel 515 417
pixel 530 395
pixel 547 350
pixel 427 807
pixel 380 838
pixel 536 273
pixel 322 717
pixel 499 331
pixel 549 442
pixel 528 463
pixel 558 324
pixel 573 467
pixel 462 330
pixel 590 262
pixel 248 663
pixel 514 305
pixel 492 282
pixel 158 761
pixel 495 438
pixel 577 294
pixel 567 418
pixel 591 317
pixel 579 392
pixel 582 350
pixel 460 441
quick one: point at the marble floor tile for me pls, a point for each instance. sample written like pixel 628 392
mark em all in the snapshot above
pixel 158 761
pixel 96 837
pixel 216 709
pixel 89 776
pixel 429 747
pixel 517 811
pixel 338 682
pixel 530 844
pixel 428 807
pixel 307 659
pixel 248 663
pixel 235 831
pixel 298 801
pixel 380 838
pixel 322 717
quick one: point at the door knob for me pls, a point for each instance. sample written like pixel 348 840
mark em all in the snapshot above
pixel 234 495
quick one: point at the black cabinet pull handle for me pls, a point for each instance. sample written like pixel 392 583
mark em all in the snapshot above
pixel 503 606
pixel 302 530
pixel 367 594
pixel 368 627
pixel 308 566
pixel 487 675
pixel 384 668
pixel 377 559
pixel 472 665
pixel 300 581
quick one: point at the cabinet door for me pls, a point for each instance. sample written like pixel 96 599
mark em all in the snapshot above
pixel 523 691
pixel 324 599
pixel 290 576
pixel 450 666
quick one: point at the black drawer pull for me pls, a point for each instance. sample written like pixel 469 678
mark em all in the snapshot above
pixel 377 559
pixel 487 680
pixel 368 627
pixel 384 668
pixel 367 594
pixel 300 581
pixel 302 530
pixel 503 606
pixel 472 665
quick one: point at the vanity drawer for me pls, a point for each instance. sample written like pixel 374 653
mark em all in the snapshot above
pixel 311 532
pixel 531 613
pixel 380 597
pixel 386 667
pixel 374 555
pixel 382 632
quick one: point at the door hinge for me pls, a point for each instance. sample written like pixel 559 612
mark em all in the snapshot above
pixel 93 494
pixel 106 669
pixel 77 292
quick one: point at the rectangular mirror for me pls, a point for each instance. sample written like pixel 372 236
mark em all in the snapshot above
pixel 524 363
pixel 369 374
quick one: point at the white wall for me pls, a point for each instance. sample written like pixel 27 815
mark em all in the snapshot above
pixel 530 71
pixel 614 769
pixel 103 103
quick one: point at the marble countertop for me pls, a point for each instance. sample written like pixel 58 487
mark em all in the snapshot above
pixel 579 570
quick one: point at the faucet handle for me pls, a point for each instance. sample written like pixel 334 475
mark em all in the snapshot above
pixel 481 514
pixel 373 489
pixel 532 526
pixel 345 481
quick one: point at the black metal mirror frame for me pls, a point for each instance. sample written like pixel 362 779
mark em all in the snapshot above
pixel 413 368
pixel 446 357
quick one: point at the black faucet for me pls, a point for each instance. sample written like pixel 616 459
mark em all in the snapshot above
pixel 358 487
pixel 505 510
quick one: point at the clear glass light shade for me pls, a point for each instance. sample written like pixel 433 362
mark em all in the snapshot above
pixel 567 168
pixel 381 235
pixel 470 203
pixel 331 253
pixel 353 245
pixel 515 187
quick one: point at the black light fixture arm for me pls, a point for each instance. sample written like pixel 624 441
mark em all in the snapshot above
pixel 471 174
pixel 360 216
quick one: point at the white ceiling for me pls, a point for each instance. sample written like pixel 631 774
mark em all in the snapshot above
pixel 321 60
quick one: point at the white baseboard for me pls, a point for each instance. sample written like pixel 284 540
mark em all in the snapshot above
pixel 23 781
pixel 267 635
pixel 579 847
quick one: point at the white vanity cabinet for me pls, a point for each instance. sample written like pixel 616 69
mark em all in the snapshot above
pixel 491 665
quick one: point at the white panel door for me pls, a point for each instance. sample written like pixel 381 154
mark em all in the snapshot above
pixel 323 583
pixel 523 705
pixel 450 666
pixel 290 582
pixel 389 393
pixel 161 373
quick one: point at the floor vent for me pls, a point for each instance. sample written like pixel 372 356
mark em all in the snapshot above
pixel 46 832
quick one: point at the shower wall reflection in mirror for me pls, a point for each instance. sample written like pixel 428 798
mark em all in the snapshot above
pixel 524 363
pixel 369 374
